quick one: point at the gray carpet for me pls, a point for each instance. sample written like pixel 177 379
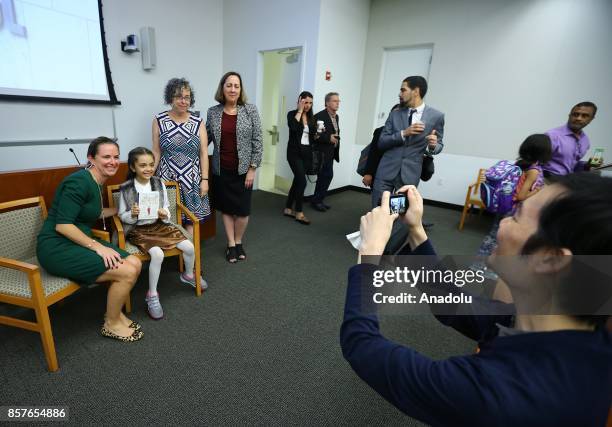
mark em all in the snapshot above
pixel 260 347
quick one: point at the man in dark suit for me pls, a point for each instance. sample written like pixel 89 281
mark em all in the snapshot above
pixel 328 140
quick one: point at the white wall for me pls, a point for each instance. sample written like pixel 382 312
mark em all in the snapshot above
pixel 254 26
pixel 189 38
pixel 500 71
pixel 342 40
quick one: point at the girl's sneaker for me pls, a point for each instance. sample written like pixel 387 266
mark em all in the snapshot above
pixel 154 307
pixel 191 281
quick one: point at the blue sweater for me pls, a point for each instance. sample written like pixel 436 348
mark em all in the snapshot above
pixel 561 378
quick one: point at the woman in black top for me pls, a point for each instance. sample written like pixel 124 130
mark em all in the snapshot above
pixel 298 150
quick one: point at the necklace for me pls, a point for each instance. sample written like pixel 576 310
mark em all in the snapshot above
pixel 101 205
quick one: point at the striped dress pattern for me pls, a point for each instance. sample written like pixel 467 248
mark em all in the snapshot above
pixel 180 160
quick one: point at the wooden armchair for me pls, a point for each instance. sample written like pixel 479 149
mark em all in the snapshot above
pixel 176 208
pixel 22 281
pixel 472 198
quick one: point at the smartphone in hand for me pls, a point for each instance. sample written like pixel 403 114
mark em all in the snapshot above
pixel 398 203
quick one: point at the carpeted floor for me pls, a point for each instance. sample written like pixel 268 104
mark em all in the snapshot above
pixel 260 347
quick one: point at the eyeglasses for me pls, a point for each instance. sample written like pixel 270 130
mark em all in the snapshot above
pixel 183 98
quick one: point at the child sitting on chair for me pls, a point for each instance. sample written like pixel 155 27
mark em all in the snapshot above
pixel 157 233
pixel 533 153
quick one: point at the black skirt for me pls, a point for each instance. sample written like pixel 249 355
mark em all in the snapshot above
pixel 229 194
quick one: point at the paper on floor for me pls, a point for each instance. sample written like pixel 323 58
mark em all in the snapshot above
pixel 354 239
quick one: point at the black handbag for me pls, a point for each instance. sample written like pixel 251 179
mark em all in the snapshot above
pixel 428 169
pixel 314 161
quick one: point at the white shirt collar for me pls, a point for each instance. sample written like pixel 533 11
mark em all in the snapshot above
pixel 420 108
pixel 140 187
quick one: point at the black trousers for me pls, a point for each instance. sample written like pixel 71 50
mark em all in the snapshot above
pixel 298 186
pixel 324 179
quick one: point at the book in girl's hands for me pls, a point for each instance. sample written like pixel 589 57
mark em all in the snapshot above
pixel 148 204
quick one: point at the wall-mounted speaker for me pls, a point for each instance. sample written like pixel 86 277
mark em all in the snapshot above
pixel 147 47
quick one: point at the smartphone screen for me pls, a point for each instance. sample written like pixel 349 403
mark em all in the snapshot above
pixel 398 203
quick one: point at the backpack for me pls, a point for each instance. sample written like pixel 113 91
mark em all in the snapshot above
pixel 499 186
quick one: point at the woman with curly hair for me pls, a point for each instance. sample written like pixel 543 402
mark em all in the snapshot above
pixel 180 146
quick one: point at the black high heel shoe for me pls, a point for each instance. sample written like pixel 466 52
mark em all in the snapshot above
pixel 231 255
pixel 240 251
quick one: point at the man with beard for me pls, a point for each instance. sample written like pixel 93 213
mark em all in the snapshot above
pixel 413 130
pixel 570 143
pixel 410 131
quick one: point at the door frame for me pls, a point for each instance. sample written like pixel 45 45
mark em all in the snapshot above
pixel 260 80
pixel 383 65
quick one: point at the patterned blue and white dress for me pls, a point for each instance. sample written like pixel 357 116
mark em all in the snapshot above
pixel 180 160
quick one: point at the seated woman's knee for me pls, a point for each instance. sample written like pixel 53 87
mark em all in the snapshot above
pixel 130 269
pixel 135 262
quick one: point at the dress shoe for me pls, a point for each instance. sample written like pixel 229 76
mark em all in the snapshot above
pixel 325 205
pixel 318 207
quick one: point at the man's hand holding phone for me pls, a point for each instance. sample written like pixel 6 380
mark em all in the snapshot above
pixel 413 217
pixel 375 228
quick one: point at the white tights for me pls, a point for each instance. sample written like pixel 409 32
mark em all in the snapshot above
pixel 157 257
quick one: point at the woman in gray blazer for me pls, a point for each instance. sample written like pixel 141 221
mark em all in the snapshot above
pixel 234 128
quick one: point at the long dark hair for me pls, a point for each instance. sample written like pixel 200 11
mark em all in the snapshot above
pixel 535 148
pixel 133 157
pixel 306 94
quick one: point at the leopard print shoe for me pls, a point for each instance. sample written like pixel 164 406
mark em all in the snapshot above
pixel 137 335
pixel 135 326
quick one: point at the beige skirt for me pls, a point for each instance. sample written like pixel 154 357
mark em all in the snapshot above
pixel 166 236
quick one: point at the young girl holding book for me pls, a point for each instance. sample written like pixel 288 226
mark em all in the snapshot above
pixel 152 235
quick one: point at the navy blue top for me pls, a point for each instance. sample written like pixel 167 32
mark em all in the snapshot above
pixel 561 378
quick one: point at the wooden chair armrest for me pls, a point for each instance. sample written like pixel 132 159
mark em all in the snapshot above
pixel 120 233
pixel 194 220
pixel 104 235
pixel 187 212
pixel 33 272
pixel 18 265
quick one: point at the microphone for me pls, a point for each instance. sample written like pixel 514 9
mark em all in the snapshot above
pixel 75 156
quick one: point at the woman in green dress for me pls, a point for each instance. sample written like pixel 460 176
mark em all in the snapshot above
pixel 66 247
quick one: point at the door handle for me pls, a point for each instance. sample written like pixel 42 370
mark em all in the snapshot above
pixel 274 134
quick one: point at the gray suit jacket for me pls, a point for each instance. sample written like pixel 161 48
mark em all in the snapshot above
pixel 248 136
pixel 407 155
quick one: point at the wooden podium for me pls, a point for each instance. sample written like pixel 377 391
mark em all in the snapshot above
pixel 22 184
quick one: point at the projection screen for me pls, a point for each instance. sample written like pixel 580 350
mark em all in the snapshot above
pixel 54 50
